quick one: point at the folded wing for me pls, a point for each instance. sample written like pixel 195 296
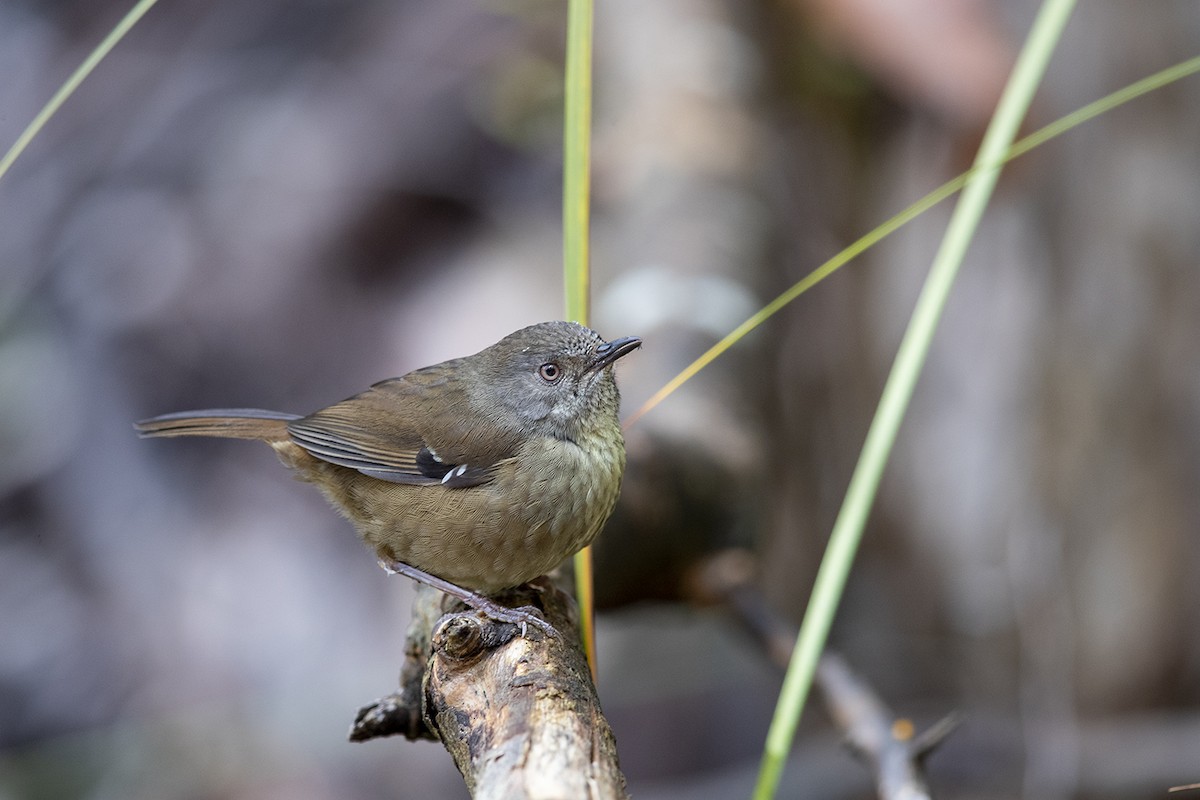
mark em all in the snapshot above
pixel 376 433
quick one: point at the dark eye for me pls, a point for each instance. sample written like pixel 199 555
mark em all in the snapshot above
pixel 549 372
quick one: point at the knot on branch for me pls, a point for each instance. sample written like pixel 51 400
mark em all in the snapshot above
pixel 462 639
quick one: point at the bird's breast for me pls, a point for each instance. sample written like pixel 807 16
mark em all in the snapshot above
pixel 542 506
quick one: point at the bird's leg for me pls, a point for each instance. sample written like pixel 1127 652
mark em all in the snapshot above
pixel 489 607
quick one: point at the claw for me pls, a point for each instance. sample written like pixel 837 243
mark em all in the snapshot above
pixel 524 616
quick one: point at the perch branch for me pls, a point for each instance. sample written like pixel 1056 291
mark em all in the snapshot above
pixel 518 714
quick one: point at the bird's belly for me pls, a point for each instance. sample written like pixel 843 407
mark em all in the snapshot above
pixel 495 535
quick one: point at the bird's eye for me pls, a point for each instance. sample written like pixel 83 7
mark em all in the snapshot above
pixel 549 372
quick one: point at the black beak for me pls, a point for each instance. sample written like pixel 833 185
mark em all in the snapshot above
pixel 609 352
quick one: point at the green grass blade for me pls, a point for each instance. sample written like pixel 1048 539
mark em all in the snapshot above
pixel 847 529
pixel 72 83
pixel 577 141
pixel 1105 104
pixel 890 226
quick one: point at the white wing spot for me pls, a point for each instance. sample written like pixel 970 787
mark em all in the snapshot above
pixel 433 453
pixel 454 473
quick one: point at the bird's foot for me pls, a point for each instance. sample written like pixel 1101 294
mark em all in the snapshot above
pixel 523 617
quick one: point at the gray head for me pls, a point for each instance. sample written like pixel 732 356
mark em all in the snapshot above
pixel 556 377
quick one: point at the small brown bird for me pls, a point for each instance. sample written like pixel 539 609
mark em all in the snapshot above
pixel 473 475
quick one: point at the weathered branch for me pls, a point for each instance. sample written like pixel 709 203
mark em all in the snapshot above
pixel 885 743
pixel 401 712
pixel 889 746
pixel 519 714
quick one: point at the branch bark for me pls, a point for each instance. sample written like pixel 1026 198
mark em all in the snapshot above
pixel 888 745
pixel 519 714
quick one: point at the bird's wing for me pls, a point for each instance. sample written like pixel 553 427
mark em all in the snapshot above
pixel 418 429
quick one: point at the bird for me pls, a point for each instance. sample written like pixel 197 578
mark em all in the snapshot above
pixel 473 475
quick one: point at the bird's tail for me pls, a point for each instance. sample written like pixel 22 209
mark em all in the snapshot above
pixel 227 423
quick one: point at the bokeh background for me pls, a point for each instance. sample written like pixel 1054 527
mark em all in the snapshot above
pixel 275 204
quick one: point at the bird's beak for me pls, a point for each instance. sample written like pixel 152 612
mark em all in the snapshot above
pixel 609 352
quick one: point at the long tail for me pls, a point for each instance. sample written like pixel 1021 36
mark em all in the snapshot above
pixel 228 423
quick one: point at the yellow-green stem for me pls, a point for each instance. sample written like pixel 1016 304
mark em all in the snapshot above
pixel 893 403
pixel 576 206
pixel 72 83
pixel 885 229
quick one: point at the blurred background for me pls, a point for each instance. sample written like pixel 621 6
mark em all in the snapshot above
pixel 275 204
